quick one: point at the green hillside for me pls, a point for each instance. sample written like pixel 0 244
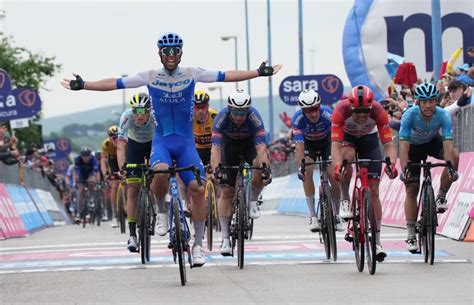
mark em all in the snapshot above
pixel 103 114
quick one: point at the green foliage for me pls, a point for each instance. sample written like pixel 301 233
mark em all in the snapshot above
pixel 26 69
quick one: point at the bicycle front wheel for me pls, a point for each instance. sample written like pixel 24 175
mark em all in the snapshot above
pixel 241 219
pixel 431 223
pixel 331 222
pixel 210 213
pixel 179 240
pixel 359 248
pixel 121 208
pixel 143 224
pixel 370 226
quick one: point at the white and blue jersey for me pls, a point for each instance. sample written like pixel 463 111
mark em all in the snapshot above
pixel 172 98
pixel 304 129
pixel 417 130
pixel 128 129
pixel 252 128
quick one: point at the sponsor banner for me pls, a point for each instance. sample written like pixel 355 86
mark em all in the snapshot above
pixel 5 86
pixel 25 206
pixel 57 148
pixel 51 206
pixel 23 102
pixel 459 220
pixel 11 224
pixel 375 28
pixel 42 208
pixel 61 166
pixel 329 87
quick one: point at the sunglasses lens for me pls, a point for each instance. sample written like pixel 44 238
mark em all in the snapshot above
pixel 361 110
pixel 140 110
pixel 171 51
pixel 239 112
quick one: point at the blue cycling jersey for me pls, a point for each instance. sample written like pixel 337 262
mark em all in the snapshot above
pixel 304 129
pixel 251 128
pixel 83 169
pixel 417 130
pixel 172 95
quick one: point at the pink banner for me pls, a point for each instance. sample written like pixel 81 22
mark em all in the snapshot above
pixel 392 192
pixel 11 224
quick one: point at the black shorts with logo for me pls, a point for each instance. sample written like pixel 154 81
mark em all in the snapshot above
pixel 367 147
pixel 322 148
pixel 136 154
pixel 418 153
pixel 232 152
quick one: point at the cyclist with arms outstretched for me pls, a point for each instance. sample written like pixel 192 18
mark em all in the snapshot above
pixel 171 89
pixel 420 138
pixel 355 123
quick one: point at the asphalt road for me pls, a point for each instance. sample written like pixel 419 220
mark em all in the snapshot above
pixel 285 264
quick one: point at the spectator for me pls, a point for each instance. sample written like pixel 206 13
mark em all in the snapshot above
pixel 463 75
pixel 470 53
pixel 8 152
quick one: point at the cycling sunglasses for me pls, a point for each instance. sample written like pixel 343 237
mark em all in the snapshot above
pixel 238 112
pixel 140 110
pixel 171 51
pixel 312 109
pixel 361 110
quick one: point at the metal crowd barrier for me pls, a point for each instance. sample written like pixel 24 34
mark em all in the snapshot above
pixel 32 178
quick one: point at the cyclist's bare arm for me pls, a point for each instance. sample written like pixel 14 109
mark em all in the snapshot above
pixel 448 148
pixel 299 152
pixel 239 75
pixel 404 148
pixel 336 152
pixel 390 151
pixel 103 165
pixel 121 146
pixel 100 85
pixel 215 156
pixel 262 153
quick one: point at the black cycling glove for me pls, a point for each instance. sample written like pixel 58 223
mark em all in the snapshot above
pixel 77 84
pixel 265 70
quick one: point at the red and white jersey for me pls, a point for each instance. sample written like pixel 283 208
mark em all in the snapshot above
pixel 343 122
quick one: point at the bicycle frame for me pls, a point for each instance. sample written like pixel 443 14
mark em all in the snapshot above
pixel 174 192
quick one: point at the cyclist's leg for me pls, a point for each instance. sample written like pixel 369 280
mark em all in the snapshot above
pixel 160 160
pixel 348 153
pixel 229 156
pixel 416 154
pixel 308 183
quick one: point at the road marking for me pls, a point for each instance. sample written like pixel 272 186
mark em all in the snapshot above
pixel 226 264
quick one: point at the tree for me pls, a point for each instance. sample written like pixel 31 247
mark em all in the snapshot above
pixel 30 70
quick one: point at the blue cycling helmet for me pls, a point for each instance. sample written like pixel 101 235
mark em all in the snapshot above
pixel 170 40
pixel 426 91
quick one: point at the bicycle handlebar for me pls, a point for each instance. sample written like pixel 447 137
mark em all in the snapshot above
pixel 364 163
pixel 304 164
pixel 429 165
pixel 242 166
pixel 174 170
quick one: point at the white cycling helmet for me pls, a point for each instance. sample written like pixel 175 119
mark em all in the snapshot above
pixel 239 98
pixel 308 98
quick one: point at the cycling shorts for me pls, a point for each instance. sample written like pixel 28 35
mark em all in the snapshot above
pixel 367 147
pixel 181 149
pixel 232 152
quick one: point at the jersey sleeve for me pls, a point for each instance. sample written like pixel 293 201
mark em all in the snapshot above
pixel 385 134
pixel 204 76
pixel 105 151
pixel 219 122
pixel 260 133
pixel 406 125
pixel 123 127
pixel 296 125
pixel 446 125
pixel 141 79
pixel 337 125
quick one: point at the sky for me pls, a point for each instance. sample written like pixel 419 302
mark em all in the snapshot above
pixel 103 39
